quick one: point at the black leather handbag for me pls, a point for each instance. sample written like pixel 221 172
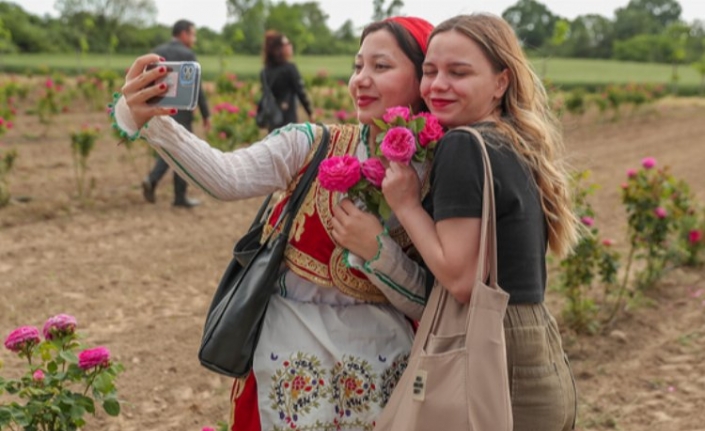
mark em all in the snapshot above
pixel 269 113
pixel 236 313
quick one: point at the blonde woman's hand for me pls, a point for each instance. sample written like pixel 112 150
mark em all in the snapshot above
pixel 401 187
pixel 355 229
pixel 137 89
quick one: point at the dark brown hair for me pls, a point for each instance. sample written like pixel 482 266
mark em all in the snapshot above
pixel 273 50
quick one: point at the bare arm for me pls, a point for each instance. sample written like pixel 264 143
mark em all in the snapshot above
pixel 449 248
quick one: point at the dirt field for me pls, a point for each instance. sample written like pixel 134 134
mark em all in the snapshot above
pixel 138 277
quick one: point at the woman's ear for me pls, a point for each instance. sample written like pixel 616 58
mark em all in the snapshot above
pixel 502 83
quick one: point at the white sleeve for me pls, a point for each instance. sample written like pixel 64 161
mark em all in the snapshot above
pixel 396 275
pixel 259 169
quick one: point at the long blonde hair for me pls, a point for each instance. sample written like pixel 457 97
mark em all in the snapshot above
pixel 527 120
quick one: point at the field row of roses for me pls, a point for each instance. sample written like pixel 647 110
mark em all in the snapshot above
pixel 665 227
pixel 610 102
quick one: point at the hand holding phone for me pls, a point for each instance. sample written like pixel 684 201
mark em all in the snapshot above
pixel 183 80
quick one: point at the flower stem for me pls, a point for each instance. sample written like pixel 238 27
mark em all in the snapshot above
pixel 623 287
pixel 90 381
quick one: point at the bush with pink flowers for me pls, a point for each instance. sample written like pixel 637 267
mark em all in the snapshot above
pixel 62 380
pixel 232 126
pixel 592 258
pixel 656 204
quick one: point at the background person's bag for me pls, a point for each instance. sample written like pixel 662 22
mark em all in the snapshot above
pixel 236 314
pixel 457 378
pixel 269 113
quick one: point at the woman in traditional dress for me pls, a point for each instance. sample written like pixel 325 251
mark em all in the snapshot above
pixel 332 346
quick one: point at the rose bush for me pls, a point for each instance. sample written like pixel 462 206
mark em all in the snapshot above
pixel 58 386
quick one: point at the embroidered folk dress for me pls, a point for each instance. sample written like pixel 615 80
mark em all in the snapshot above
pixel 332 346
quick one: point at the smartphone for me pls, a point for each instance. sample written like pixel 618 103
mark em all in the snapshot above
pixel 183 80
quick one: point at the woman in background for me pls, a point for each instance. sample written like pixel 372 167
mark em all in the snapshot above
pixel 283 78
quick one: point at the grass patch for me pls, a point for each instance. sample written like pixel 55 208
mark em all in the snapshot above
pixel 559 70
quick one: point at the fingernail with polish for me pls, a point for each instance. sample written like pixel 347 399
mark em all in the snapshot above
pixel 162 86
pixel 172 111
pixel 162 58
pixel 162 69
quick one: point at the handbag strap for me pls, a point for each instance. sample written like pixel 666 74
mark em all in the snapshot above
pixel 487 256
pixel 265 85
pixel 302 188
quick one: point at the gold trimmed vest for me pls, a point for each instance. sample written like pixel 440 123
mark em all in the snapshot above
pixel 312 253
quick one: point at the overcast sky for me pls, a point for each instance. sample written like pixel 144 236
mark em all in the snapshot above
pixel 213 13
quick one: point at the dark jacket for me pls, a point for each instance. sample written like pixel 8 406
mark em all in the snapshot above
pixel 286 84
pixel 177 51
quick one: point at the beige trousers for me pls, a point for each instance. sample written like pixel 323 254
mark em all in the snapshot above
pixel 543 391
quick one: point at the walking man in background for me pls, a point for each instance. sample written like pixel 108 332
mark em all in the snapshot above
pixel 178 49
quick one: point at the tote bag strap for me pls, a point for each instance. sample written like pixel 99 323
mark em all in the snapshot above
pixel 487 256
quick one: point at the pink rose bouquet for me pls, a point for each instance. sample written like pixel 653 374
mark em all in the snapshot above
pixel 363 181
pixel 339 174
pixel 406 137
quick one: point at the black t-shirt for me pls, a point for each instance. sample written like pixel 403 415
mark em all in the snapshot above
pixel 457 178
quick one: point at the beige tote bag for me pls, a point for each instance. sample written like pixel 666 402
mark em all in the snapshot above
pixel 457 378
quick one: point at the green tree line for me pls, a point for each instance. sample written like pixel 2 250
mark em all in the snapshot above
pixel 643 30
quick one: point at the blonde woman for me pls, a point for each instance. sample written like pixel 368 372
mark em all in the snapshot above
pixel 476 74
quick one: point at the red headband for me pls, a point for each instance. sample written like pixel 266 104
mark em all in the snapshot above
pixel 419 28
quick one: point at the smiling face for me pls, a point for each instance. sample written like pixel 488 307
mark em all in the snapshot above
pixel 383 77
pixel 459 84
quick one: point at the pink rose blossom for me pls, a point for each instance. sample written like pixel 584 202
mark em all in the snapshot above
pixel 587 221
pixel 338 174
pixel 341 115
pixel 660 212
pixel 49 83
pixel 252 113
pixel 398 145
pixel 222 135
pixel 631 173
pixel 9 125
pixel 374 171
pixel 694 236
pixel 648 162
pixel 2 121
pixel 607 242
pixel 38 376
pixel 59 326
pixel 432 130
pixel 96 357
pixel 22 338
pixel 398 111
